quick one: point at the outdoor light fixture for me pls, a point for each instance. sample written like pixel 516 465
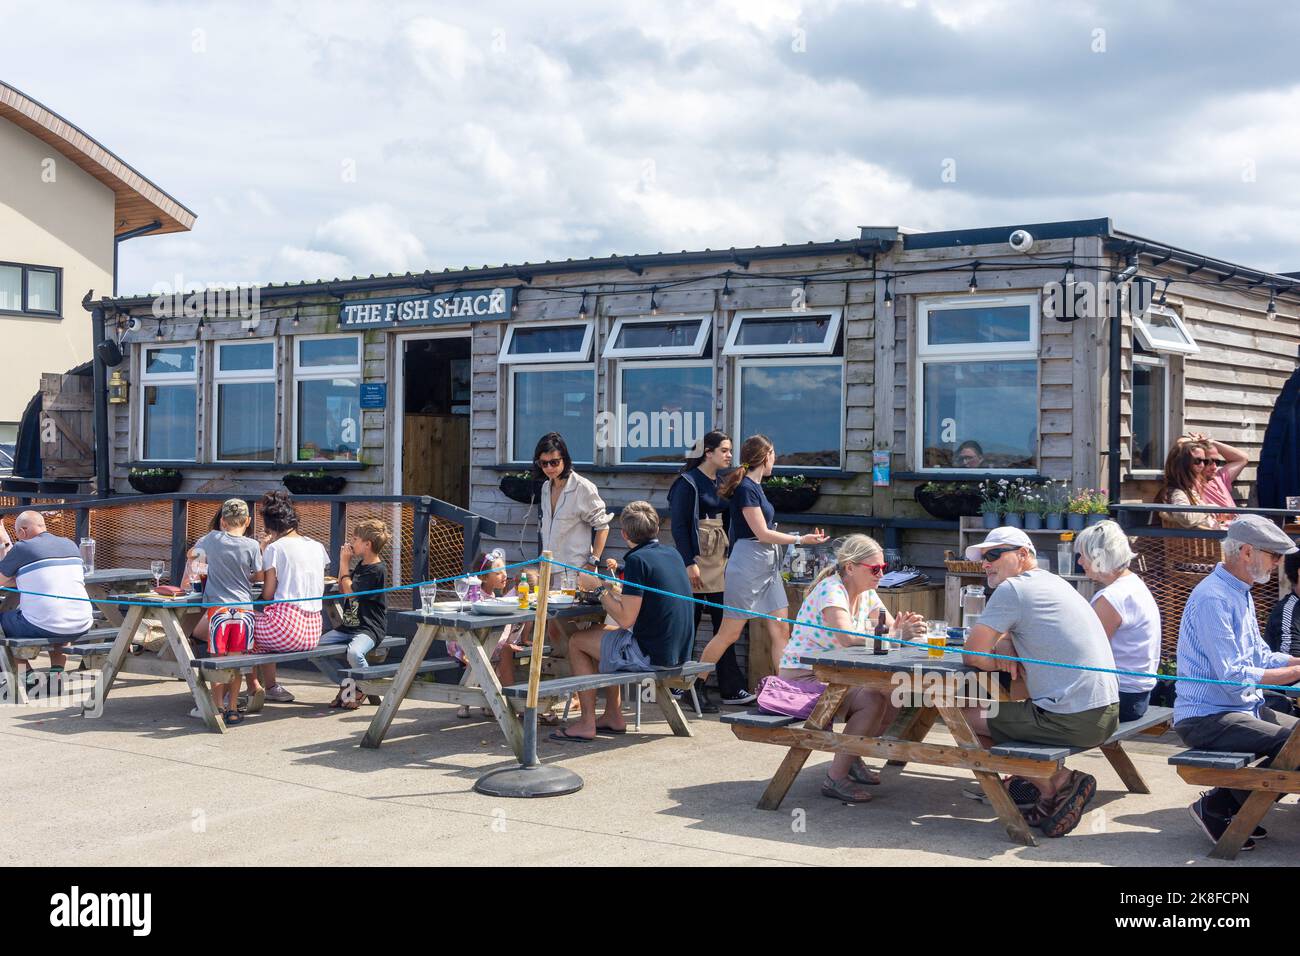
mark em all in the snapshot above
pixel 1272 305
pixel 974 282
pixel 1068 280
pixel 726 284
pixel 889 296
pixel 1164 293
pixel 295 316
pixel 654 306
pixel 119 389
pixel 582 309
pixel 199 329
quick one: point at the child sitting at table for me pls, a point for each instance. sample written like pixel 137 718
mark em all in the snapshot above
pixel 365 618
pixel 234 561
pixel 490 569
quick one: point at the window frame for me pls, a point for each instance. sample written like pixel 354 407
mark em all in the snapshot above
pixel 1153 344
pixel 550 367
pixel 167 378
pixel 978 352
pixel 758 361
pixel 25 268
pixel 1163 362
pixel 242 377
pixel 824 348
pixel 316 373
pixel 693 351
pixel 618 394
pixel 581 356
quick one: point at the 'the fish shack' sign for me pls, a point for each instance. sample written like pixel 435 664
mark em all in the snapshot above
pixel 442 308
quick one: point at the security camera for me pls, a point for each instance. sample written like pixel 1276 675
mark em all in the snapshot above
pixel 1021 241
pixel 133 324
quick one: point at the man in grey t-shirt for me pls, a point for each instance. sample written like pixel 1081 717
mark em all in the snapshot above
pixel 1036 614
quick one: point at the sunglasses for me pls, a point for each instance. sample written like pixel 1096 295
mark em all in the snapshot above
pixel 993 554
pixel 876 569
pixel 550 463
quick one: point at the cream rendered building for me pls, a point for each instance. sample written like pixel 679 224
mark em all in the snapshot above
pixel 65 203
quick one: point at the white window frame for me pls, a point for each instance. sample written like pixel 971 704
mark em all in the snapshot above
pixel 583 354
pixel 795 360
pixel 315 373
pixel 694 350
pixel 550 367
pixel 976 352
pixel 618 394
pixel 825 347
pixel 165 378
pixel 1153 344
pixel 1162 362
pixel 241 377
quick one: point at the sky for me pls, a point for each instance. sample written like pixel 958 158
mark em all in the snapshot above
pixel 330 139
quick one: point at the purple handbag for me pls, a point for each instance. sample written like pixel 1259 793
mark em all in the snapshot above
pixel 793 698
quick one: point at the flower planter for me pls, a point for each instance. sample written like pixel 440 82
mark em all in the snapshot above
pixel 523 490
pixel 789 500
pixel 1075 522
pixel 314 484
pixel 1033 521
pixel 155 484
pixel 991 519
pixel 1054 521
pixel 1164 693
pixel 948 505
pixel 1013 519
pixel 1094 519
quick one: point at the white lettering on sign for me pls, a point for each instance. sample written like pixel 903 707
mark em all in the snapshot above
pixel 446 306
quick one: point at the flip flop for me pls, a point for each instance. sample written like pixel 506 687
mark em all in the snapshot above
pixel 561 735
pixel 611 731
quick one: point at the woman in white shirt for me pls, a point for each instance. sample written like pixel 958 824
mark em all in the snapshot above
pixel 294 569
pixel 575 523
pixel 1127 611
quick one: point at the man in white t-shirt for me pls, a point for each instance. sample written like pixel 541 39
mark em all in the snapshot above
pixel 43 564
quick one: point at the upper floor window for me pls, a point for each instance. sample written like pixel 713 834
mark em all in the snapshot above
pixel 31 290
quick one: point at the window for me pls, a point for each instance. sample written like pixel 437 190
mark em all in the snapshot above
pixel 30 289
pixel 553 399
pixel 662 408
pixel 1160 329
pixel 669 337
pixel 814 332
pixel 1150 412
pixel 547 342
pixel 327 398
pixel 244 418
pixel 798 403
pixel 977 371
pixel 169 412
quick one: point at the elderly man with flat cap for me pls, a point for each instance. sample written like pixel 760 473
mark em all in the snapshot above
pixel 1219 639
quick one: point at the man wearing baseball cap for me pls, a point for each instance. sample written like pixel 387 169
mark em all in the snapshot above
pixel 1219 639
pixel 1036 614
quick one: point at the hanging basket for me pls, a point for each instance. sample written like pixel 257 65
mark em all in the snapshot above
pixel 949 505
pixel 156 484
pixel 307 484
pixel 790 500
pixel 523 490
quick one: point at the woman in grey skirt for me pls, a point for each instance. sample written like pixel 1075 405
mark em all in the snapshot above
pixel 753 584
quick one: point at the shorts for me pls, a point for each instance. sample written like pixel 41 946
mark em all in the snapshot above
pixel 1024 720
pixel 283 628
pixel 230 630
pixel 13 624
pixel 620 652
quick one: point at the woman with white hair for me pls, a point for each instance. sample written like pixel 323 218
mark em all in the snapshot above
pixel 1127 611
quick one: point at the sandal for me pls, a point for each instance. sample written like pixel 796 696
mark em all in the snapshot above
pixel 232 717
pixel 859 772
pixel 337 701
pixel 352 704
pixel 1064 810
pixel 846 790
pixel 548 719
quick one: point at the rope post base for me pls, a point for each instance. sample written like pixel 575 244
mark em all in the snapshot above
pixel 530 778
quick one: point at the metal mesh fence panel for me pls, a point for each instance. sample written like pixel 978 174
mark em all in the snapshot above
pixel 131 535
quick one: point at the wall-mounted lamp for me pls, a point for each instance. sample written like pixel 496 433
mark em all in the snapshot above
pixel 119 389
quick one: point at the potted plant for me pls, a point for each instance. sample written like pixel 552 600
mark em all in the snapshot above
pixel 795 493
pixel 1098 508
pixel 1057 498
pixel 154 481
pixel 1163 694
pixel 1079 505
pixel 990 503
pixel 522 487
pixel 1035 506
pixel 1013 501
pixel 948 500
pixel 316 482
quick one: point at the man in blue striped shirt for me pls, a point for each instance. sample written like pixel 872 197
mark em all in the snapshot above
pixel 1219 639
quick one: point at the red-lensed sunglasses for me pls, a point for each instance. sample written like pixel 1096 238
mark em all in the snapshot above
pixel 876 569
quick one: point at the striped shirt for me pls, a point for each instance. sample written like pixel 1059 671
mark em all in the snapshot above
pixel 1280 632
pixel 47 564
pixel 1219 638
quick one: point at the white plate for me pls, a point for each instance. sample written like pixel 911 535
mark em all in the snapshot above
pixel 447 605
pixel 560 600
pixel 497 606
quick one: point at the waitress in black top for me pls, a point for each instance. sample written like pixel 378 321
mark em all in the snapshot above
pixel 701 538
pixel 753 579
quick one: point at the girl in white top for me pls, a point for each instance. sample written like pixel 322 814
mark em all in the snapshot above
pixel 1126 609
pixel 294 569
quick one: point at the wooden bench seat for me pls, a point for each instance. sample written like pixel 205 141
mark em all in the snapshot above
pixel 1212 759
pixel 1153 721
pixel 563 686
pixel 245 661
pixel 757 718
pixel 94 634
pixel 386 671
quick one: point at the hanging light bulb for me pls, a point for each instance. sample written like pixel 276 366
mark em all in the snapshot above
pixel 654 306
pixel 726 284
pixel 199 330
pixel 974 282
pixel 582 309
pixel 1272 305
pixel 889 296
pixel 1164 293
pixel 1069 274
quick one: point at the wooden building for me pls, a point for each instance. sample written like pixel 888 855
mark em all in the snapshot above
pixel 440 382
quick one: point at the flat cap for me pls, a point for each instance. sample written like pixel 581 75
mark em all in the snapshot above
pixel 1259 532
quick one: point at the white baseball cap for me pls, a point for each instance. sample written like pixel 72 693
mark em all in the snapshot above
pixel 1000 538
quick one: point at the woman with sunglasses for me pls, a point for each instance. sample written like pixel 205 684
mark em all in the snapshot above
pixel 844 597
pixel 575 523
pixel 1223 464
pixel 1184 484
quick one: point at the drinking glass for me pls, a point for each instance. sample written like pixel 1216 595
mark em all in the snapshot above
pixel 569 583
pixel 937 637
pixel 428 597
pixel 462 589
pixel 156 568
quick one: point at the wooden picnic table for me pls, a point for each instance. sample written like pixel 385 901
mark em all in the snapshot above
pixel 904 742
pixel 477 635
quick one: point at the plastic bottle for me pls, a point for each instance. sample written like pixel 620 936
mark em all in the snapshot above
pixel 523 593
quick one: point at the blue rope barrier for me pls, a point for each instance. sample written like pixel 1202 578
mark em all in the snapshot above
pixel 917 644
pixel 323 597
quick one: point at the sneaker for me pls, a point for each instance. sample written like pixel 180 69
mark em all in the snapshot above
pixel 742 698
pixel 1068 804
pixel 1023 792
pixel 196 714
pixel 1212 824
pixel 707 705
pixel 279 694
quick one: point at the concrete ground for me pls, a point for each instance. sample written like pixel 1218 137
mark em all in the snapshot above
pixel 146 784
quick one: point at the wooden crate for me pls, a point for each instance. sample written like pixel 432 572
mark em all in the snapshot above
pixel 923 599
